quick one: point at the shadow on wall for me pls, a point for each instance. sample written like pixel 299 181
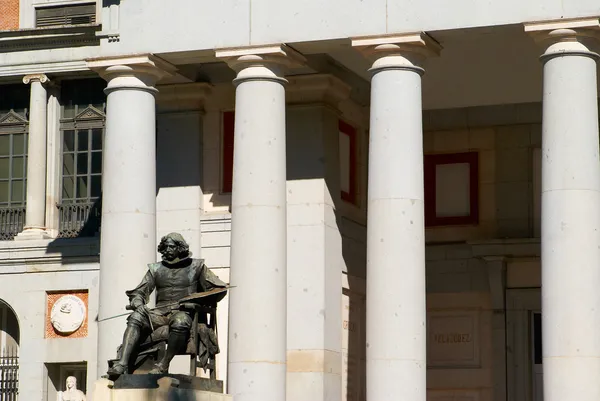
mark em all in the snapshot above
pixel 178 150
pixel 354 323
pixel 10 335
pixel 78 240
pixel 313 165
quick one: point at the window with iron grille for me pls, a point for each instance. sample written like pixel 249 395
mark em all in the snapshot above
pixel 14 127
pixel 82 133
pixel 58 16
pixel 82 161
pixel 13 159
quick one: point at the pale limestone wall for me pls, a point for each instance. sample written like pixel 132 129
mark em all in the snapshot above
pixel 505 137
pixel 30 269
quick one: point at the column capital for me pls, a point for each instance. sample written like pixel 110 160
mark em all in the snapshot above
pixel 262 62
pixel 405 51
pixel 140 72
pixel 41 78
pixel 566 37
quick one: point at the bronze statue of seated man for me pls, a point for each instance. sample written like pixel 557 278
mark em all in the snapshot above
pixel 177 276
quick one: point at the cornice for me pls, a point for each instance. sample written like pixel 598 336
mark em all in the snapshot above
pixel 47 68
pixel 48 38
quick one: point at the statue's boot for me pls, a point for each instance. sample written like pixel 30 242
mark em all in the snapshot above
pixel 130 340
pixel 176 343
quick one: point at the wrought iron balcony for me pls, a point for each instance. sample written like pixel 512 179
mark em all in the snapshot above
pixel 12 220
pixel 79 219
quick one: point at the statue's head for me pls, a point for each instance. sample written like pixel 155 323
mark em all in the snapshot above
pixel 71 383
pixel 173 247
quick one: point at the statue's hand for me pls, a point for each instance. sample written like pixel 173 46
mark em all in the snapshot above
pixel 137 303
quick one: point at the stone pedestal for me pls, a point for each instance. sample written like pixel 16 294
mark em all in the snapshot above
pixel 159 388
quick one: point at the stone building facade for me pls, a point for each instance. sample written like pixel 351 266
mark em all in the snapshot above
pixel 367 174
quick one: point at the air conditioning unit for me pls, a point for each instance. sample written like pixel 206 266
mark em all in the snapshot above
pixel 71 15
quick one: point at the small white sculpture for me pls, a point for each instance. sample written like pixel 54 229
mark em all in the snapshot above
pixel 71 393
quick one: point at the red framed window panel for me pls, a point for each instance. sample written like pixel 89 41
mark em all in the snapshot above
pixel 348 148
pixel 227 159
pixel 452 189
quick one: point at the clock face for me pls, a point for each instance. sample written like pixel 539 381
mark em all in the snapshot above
pixel 67 314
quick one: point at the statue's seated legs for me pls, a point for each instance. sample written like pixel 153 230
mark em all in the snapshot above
pixel 142 322
pixel 180 324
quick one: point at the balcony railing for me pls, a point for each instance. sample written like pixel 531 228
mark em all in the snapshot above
pixel 79 219
pixel 12 220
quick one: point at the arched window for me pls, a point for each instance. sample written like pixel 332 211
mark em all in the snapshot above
pixel 9 353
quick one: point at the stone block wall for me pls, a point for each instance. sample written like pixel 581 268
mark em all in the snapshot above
pixel 506 138
pixel 9 15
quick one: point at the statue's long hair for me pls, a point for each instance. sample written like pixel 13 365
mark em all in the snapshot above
pixel 182 247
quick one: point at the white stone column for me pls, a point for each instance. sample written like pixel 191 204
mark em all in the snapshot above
pixel 258 308
pixel 128 233
pixel 396 313
pixel 35 217
pixel 570 210
pixel 53 162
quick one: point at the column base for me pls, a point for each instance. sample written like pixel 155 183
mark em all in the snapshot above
pixel 32 234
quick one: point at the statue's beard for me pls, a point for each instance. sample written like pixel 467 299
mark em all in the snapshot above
pixel 175 259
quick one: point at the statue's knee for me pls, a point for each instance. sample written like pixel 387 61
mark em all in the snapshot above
pixel 137 319
pixel 181 322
